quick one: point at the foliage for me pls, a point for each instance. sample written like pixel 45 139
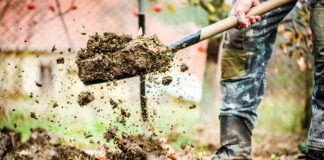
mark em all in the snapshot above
pixel 201 12
pixel 295 35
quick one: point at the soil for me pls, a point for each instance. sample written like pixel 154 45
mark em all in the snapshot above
pixel 40 145
pixel 113 103
pixel 166 80
pixel 193 106
pixel 60 60
pixel 85 98
pixel 38 84
pixel 33 115
pixel 111 56
pixel 184 67
pixel 132 147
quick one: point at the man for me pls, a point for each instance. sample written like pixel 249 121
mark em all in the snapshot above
pixel 245 57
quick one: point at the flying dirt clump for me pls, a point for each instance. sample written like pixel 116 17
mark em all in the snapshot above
pixel 166 80
pixel 60 60
pixel 111 56
pixel 85 98
pixel 184 67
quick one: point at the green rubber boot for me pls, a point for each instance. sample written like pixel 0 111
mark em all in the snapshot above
pixel 235 139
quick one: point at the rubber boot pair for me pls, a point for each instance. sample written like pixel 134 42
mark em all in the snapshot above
pixel 235 139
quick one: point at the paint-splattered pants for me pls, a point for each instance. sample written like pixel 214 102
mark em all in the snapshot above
pixel 245 58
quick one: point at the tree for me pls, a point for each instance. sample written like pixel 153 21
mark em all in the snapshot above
pixel 217 11
pixel 295 40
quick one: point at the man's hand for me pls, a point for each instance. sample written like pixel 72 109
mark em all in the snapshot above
pixel 241 7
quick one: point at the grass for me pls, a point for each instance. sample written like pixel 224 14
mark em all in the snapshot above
pixel 280 115
pixel 72 121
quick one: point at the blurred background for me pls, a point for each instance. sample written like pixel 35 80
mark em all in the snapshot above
pixel 35 33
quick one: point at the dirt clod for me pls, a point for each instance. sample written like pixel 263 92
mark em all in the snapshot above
pixel 38 84
pixel 33 115
pixel 184 67
pixel 53 48
pixel 111 56
pixel 113 103
pixel 60 60
pixel 166 80
pixel 85 98
pixel 55 105
pixel 193 106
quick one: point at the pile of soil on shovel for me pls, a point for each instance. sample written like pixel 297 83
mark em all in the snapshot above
pixel 111 56
pixel 40 145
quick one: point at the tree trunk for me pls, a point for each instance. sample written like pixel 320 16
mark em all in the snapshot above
pixel 211 82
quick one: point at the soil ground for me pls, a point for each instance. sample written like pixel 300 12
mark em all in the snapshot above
pixel 45 145
pixel 41 145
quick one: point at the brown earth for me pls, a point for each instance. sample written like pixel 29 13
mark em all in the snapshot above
pixel 85 98
pixel 111 56
pixel 40 145
pixel 184 67
pixel 133 147
pixel 47 146
pixel 167 80
pixel 60 60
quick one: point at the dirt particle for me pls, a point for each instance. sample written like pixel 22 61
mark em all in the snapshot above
pixel 85 98
pixel 33 115
pixel 193 106
pixel 111 133
pixel 38 84
pixel 60 60
pixel 184 67
pixel 86 135
pixel 124 113
pixel 55 105
pixel 113 103
pixel 166 80
pixel 53 48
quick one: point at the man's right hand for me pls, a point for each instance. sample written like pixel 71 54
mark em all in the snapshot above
pixel 241 7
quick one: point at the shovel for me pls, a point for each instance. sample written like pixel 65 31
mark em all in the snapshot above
pixel 219 27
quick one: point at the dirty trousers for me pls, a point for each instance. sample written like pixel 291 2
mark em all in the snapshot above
pixel 245 57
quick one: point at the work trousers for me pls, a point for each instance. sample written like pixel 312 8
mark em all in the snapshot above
pixel 245 57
